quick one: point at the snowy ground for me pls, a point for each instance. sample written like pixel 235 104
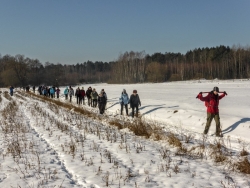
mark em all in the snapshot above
pixel 43 145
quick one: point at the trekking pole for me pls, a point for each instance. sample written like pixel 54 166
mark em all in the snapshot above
pixel 210 91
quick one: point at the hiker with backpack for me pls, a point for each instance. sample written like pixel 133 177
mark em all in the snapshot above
pixel 134 103
pixel 124 101
pixel 212 104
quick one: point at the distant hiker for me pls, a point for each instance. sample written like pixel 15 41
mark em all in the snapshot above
pixel 82 96
pixel 94 96
pixel 45 91
pixel 34 89
pixel 88 94
pixel 78 95
pixel 71 93
pixel 57 92
pixel 105 95
pixel 134 103
pixel 124 101
pixel 52 92
pixel 101 102
pixel 66 93
pixel 11 90
pixel 40 90
pixel 212 104
pixel 27 88
pixel 48 91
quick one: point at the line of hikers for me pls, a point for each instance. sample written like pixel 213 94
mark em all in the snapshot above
pixel 94 99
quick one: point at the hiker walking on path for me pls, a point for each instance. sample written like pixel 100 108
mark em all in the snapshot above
pixel 101 102
pixel 71 93
pixel 88 93
pixel 66 92
pixel 52 92
pixel 124 101
pixel 94 96
pixel 11 90
pixel 82 96
pixel 134 103
pixel 78 95
pixel 57 92
pixel 105 95
pixel 212 104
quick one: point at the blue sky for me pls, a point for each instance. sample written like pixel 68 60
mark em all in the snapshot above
pixel 75 31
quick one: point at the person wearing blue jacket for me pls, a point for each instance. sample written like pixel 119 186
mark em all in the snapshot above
pixel 124 101
pixel 52 92
pixel 11 90
pixel 66 92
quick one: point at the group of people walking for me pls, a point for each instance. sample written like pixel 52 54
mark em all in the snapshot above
pixel 94 99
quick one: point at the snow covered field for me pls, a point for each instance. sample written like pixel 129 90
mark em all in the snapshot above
pixel 45 145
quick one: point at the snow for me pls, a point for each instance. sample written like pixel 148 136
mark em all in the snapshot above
pixel 66 149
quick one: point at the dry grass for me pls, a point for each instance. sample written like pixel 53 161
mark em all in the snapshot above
pixel 116 124
pixel 174 140
pixel 140 128
pixel 244 152
pixel 244 166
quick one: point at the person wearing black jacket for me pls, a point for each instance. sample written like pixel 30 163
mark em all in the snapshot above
pixel 88 94
pixel 134 102
pixel 101 102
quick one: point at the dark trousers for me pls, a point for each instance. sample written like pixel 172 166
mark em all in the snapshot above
pixel 66 96
pixel 90 102
pixel 57 95
pixel 126 107
pixel 210 117
pixel 70 98
pixel 77 100
pixel 101 107
pixel 94 103
pixel 133 110
pixel 81 100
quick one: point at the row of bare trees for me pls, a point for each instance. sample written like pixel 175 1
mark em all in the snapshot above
pixel 130 67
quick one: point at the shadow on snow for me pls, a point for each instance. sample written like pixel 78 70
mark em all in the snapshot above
pixel 235 125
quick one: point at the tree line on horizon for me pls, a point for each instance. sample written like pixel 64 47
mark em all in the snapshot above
pixel 220 62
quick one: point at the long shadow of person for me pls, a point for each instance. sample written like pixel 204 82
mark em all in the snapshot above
pixel 154 109
pixel 235 125
pixel 112 105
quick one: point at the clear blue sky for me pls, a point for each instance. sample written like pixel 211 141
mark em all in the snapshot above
pixel 74 31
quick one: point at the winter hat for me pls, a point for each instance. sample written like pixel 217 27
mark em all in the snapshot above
pixel 216 89
pixel 134 91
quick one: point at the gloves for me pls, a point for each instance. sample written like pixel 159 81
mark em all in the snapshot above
pixel 225 93
pixel 199 95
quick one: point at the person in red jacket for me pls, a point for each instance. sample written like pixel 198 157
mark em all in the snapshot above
pixel 212 104
pixel 82 98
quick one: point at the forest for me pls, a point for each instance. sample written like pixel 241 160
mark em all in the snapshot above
pixel 222 62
